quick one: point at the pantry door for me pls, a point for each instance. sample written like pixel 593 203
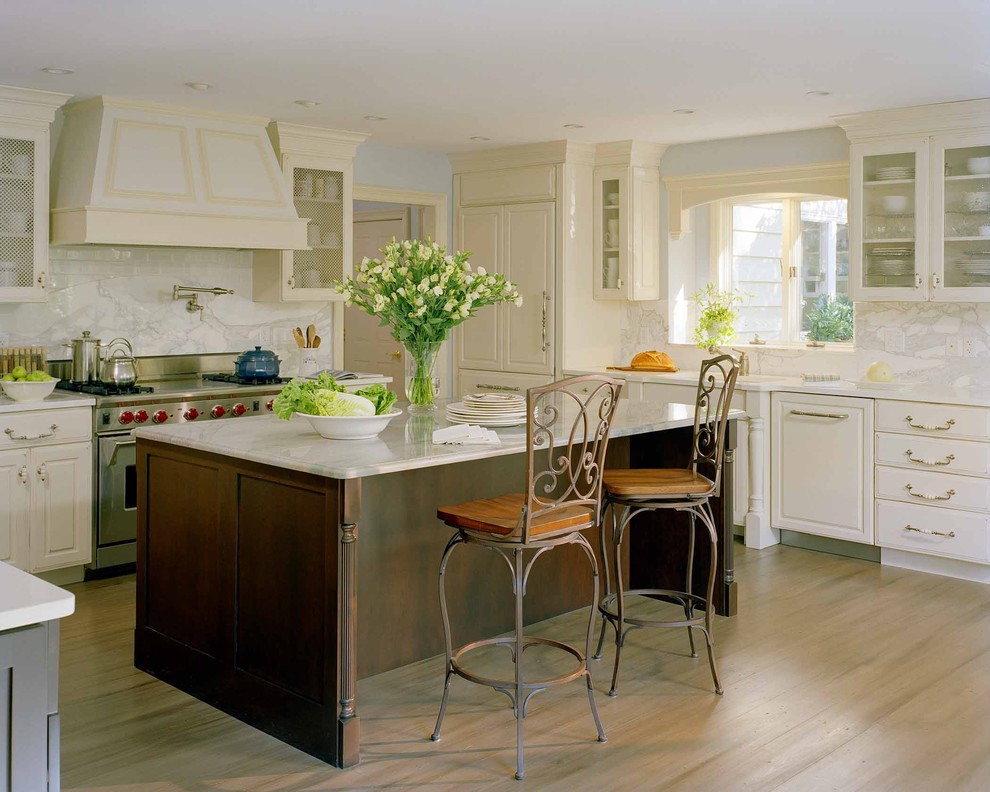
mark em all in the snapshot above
pixel 367 346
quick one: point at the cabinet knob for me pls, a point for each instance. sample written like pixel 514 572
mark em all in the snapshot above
pixel 395 355
pixel 43 472
pixel 22 474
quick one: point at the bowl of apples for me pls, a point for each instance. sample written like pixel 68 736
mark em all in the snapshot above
pixel 23 386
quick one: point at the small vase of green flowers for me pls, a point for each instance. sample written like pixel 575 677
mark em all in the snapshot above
pixel 716 316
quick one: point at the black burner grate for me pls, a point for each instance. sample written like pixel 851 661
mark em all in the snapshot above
pixel 233 379
pixel 102 388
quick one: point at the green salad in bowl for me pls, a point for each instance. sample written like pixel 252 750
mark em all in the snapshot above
pixel 333 412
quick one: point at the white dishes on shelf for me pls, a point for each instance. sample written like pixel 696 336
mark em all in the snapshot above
pixel 891 260
pixel 895 173
pixel 488 409
pixel 978 165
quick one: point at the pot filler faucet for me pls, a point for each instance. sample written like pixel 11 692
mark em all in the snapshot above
pixel 192 293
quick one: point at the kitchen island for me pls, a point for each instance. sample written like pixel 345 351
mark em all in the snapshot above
pixel 253 597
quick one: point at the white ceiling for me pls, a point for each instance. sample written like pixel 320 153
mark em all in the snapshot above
pixel 516 70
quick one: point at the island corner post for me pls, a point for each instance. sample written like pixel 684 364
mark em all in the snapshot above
pixel 248 578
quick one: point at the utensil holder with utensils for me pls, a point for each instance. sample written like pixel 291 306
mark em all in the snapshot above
pixel 308 343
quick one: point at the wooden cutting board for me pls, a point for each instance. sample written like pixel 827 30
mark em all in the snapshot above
pixel 654 369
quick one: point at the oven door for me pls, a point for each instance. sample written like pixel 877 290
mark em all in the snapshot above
pixel 117 477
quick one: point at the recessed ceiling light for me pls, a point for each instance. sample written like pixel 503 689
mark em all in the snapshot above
pixel 479 138
pixel 683 111
pixel 54 70
pixel 573 126
pixel 307 103
pixel 818 93
pixel 375 118
pixel 199 86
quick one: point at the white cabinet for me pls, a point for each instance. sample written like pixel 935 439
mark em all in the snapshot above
pixel 318 168
pixel 46 488
pixel 24 166
pixel 517 241
pixel 822 463
pixel 627 233
pixel 920 203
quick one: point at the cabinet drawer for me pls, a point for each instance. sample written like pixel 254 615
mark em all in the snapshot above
pixel 931 453
pixel 937 489
pixel 509 185
pixel 35 427
pixel 470 381
pixel 941 420
pixel 959 534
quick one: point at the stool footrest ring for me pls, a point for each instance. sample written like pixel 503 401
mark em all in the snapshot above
pixel 538 684
pixel 607 608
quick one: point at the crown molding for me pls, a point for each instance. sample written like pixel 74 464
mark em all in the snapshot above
pixel 153 107
pixel 298 139
pixel 552 152
pixel 632 153
pixel 29 104
pixel 924 120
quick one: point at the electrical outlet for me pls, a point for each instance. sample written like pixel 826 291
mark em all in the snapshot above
pixel 953 346
pixel 969 347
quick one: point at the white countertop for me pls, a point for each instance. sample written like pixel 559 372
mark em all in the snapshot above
pixel 57 401
pixel 26 599
pixel 901 391
pixel 404 445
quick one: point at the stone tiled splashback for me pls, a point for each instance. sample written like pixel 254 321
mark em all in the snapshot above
pixel 128 292
pixel 926 327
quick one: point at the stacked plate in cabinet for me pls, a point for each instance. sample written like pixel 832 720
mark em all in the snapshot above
pixel 895 173
pixel 488 409
pixel 891 260
pixel 975 267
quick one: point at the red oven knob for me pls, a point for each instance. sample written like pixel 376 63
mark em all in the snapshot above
pixel 269 404
pixel 191 414
pixel 239 409
pixel 141 416
pixel 126 417
pixel 160 416
pixel 218 411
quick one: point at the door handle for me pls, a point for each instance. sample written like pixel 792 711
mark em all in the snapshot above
pixel 22 474
pixel 833 416
pixel 116 448
pixel 42 436
pixel 395 355
pixel 546 343
pixel 43 472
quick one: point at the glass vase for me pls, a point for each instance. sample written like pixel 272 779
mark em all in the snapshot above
pixel 422 381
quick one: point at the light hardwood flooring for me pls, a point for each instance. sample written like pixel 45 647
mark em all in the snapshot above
pixel 839 675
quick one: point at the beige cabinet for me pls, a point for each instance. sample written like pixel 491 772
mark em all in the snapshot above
pixel 24 167
pixel 517 241
pixel 46 489
pixel 822 465
pixel 317 165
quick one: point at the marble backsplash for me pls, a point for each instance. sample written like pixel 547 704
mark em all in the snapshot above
pixel 127 291
pixel 925 331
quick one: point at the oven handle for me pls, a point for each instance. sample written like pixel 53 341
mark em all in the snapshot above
pixel 116 448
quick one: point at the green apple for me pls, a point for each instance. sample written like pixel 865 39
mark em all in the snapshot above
pixel 7 378
pixel 19 372
pixel 880 371
pixel 38 376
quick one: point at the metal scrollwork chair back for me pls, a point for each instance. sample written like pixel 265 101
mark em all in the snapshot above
pixel 716 384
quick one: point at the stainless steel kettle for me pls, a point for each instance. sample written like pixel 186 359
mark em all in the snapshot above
pixel 119 367
pixel 85 358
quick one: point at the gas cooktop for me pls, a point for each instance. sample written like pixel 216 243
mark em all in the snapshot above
pixel 102 388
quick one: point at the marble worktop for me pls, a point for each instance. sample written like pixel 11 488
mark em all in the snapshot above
pixel 900 391
pixel 26 599
pixel 406 444
pixel 57 401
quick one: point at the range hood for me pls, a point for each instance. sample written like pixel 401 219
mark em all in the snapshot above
pixel 131 173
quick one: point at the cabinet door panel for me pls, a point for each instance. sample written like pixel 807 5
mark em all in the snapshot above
pixel 822 461
pixel 61 498
pixel 527 332
pixel 480 231
pixel 13 507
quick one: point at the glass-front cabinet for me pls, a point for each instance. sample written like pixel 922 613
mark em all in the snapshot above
pixel 960 177
pixel 889 200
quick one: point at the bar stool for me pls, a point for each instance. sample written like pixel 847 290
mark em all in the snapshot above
pixel 632 492
pixel 563 498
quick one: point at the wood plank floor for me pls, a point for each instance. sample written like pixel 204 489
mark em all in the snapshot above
pixel 839 675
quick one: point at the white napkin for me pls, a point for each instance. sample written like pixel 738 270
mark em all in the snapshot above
pixel 465 434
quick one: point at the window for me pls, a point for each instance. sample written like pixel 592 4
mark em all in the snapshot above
pixel 790 257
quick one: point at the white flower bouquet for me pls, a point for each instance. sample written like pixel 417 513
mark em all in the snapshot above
pixel 421 292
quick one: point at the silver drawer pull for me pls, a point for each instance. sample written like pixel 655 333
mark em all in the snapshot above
pixel 497 387
pixel 930 462
pixel 833 416
pixel 42 436
pixel 948 494
pixel 928 428
pixel 926 532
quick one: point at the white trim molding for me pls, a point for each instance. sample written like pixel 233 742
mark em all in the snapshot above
pixel 550 153
pixel 686 192
pixel 912 121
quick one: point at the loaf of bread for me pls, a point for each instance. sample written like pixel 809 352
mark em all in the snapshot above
pixel 653 359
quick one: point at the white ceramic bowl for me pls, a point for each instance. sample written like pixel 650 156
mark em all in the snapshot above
pixel 978 165
pixel 895 204
pixel 24 391
pixel 350 427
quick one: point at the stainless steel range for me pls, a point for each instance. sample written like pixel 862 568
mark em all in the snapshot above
pixel 170 390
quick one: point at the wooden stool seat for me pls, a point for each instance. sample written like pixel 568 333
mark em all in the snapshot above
pixel 658 482
pixel 503 516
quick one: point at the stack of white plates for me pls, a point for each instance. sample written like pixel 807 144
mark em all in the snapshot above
pixel 893 173
pixel 892 267
pixel 488 409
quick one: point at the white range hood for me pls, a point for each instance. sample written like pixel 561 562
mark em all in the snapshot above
pixel 131 173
